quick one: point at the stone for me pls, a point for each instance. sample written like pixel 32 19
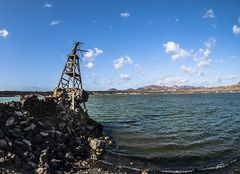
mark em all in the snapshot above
pixel 62 124
pixel 27 129
pixel 23 122
pixel 10 121
pixel 40 170
pixel 95 143
pixel 144 172
pixel 3 143
pixel 26 113
pixel 27 142
pixel 32 164
pixel 45 134
pixel 33 126
pixel 18 113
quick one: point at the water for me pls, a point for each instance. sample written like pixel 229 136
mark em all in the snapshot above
pixel 174 133
pixel 9 99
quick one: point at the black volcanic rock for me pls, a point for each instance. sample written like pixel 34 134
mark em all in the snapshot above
pixel 44 136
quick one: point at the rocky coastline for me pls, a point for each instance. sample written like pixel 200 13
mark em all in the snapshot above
pixel 45 136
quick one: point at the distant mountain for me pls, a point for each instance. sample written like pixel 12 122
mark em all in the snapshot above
pixel 238 83
pixel 130 89
pixel 152 87
pixel 187 87
pixel 112 89
pixel 157 87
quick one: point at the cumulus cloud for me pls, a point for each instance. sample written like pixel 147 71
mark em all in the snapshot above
pixel 54 23
pixel 236 30
pixel 92 54
pixel 209 14
pixel 202 56
pixel 125 77
pixel 4 33
pixel 124 14
pixel 123 60
pixel 47 5
pixel 90 65
pixel 176 50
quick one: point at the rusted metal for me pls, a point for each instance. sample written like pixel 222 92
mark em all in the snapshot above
pixel 71 75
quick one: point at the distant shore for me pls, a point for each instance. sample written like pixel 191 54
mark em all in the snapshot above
pixel 166 90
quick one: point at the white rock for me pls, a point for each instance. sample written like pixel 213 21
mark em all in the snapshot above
pixel 95 143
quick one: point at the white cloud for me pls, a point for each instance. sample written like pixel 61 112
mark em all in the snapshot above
pixel 47 5
pixel 172 80
pixel 202 56
pixel 209 14
pixel 53 23
pixel 124 14
pixel 89 54
pixel 92 54
pixel 98 51
pixel 178 53
pixel 236 30
pixel 186 69
pixel 125 77
pixel 204 62
pixel 4 33
pixel 124 60
pixel 90 65
pixel 210 43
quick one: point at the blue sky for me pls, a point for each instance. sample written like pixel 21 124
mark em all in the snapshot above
pixel 132 43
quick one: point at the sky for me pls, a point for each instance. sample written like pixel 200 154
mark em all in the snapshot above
pixel 131 43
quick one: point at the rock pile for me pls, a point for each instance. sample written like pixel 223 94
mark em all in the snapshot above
pixel 43 136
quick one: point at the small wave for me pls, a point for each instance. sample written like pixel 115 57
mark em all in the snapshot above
pixel 174 171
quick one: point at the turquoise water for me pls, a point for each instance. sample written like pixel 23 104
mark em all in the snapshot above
pixel 171 132
pixel 9 99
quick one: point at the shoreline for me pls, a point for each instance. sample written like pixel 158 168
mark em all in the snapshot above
pixel 108 93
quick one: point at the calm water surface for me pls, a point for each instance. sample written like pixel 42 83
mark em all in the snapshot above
pixel 171 132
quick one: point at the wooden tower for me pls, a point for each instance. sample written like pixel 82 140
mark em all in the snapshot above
pixel 71 74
